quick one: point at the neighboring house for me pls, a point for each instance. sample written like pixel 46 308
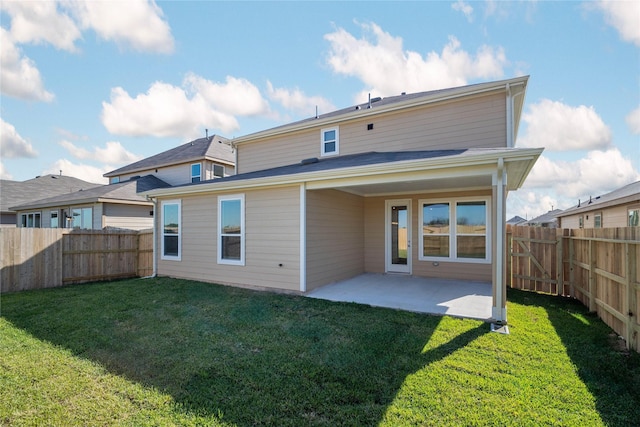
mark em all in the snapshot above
pixel 548 220
pixel 199 160
pixel 119 203
pixel 115 205
pixel 14 193
pixel 516 220
pixel 412 184
pixel 619 208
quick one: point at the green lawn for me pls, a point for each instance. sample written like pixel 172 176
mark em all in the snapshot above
pixel 172 352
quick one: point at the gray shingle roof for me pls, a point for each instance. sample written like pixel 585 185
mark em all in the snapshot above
pixel 213 147
pixel 629 191
pixel 13 193
pixel 348 161
pixel 127 191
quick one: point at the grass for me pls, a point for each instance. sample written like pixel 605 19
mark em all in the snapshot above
pixel 172 352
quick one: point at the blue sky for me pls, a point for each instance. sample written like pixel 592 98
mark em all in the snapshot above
pixel 89 87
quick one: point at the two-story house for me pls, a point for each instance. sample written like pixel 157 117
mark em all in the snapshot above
pixel 120 204
pixel 412 184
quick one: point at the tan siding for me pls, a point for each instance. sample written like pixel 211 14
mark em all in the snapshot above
pixel 133 217
pixel 614 216
pixel 174 175
pixel 374 221
pixel 335 237
pixel 476 122
pixel 271 238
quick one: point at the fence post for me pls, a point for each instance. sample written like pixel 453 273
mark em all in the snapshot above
pixel 630 307
pixel 559 263
pixel 592 278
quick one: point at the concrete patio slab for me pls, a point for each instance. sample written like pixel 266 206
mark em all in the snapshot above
pixel 471 299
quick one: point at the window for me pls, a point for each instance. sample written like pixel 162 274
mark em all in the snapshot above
pixel 218 171
pixel 195 172
pixel 329 142
pixel 468 241
pixel 31 220
pixel 171 225
pixel 53 222
pixel 634 217
pixel 597 220
pixel 82 218
pixel 114 180
pixel 231 230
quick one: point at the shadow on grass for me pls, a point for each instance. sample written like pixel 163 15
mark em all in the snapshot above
pixel 249 358
pixel 593 349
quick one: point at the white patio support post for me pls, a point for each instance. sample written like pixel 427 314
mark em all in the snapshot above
pixel 499 309
pixel 303 237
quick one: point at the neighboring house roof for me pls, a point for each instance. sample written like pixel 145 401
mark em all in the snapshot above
pixel 516 220
pixel 13 193
pixel 547 218
pixel 393 103
pixel 213 148
pixel 372 163
pixel 123 192
pixel 628 194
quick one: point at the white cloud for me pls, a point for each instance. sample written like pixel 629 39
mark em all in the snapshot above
pixel 633 121
pixel 41 22
pixel 560 127
pixel 378 55
pixel 80 171
pixel 598 172
pixel 3 173
pixel 164 111
pixel 135 24
pixel 113 153
pixel 19 77
pixel 12 144
pixel 624 16
pixel 297 101
pixel 465 8
pixel 561 183
pixel 236 96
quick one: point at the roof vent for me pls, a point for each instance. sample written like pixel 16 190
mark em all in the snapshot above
pixel 376 99
pixel 309 161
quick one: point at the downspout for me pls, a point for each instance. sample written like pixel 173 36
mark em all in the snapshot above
pixel 500 309
pixel 154 271
pixel 303 237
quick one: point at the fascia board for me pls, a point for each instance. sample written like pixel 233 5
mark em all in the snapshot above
pixel 363 113
pixel 408 166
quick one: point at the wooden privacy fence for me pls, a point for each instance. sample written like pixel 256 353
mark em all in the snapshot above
pixel 599 267
pixel 32 258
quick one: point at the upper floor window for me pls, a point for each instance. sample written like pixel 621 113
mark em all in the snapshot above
pixel 218 171
pixel 171 230
pixel 196 172
pixel 114 180
pixel 634 217
pixel 330 142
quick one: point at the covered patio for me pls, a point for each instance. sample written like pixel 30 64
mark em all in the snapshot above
pixel 458 298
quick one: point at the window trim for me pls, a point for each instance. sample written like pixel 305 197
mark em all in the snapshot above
pixel 24 219
pixel 114 180
pixel 57 216
pixel 219 235
pixel 162 234
pixel 453 220
pixel 581 221
pixel 81 208
pixel 199 176
pixel 213 171
pixel 595 220
pixel 336 152
pixel 630 211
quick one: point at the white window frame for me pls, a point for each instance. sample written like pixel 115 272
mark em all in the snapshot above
pixel 220 235
pixel 323 142
pixel 199 176
pixel 581 221
pixel 114 180
pixel 630 214
pixel 452 230
pixel 81 226
pixel 55 213
pixel 162 234
pixel 597 216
